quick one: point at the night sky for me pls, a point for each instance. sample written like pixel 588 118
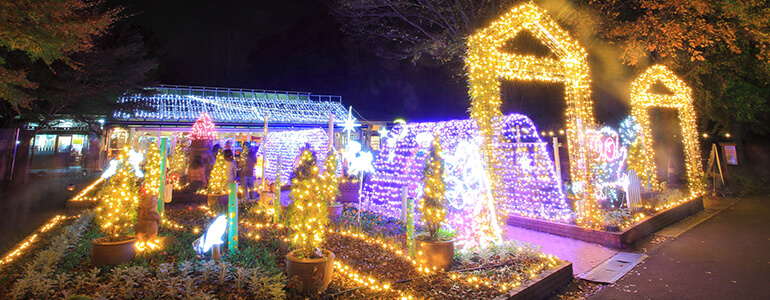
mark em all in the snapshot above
pixel 296 45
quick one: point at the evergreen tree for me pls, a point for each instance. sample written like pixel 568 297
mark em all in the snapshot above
pixel 218 180
pixel 329 179
pixel 308 215
pixel 178 164
pixel 152 174
pixel 433 203
pixel 118 200
pixel 203 129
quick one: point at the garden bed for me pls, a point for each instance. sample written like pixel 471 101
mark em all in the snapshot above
pixel 371 264
pixel 619 240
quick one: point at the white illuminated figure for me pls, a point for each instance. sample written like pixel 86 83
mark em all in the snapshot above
pixel 134 158
pixel 359 162
pixel 213 235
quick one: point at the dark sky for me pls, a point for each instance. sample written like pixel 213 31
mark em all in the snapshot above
pixel 291 45
pixel 296 45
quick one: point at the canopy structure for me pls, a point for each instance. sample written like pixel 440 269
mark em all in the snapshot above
pixel 182 104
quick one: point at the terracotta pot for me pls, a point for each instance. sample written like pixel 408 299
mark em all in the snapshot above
pixel 305 269
pixel 437 254
pixel 219 201
pixel 335 211
pixel 112 253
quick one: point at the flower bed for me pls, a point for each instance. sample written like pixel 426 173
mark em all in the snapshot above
pixel 622 239
pixel 368 265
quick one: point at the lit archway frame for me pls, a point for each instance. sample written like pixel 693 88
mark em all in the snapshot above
pixel 487 64
pixel 681 99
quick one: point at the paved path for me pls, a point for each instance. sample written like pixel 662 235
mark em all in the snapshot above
pixel 584 256
pixel 26 207
pixel 724 257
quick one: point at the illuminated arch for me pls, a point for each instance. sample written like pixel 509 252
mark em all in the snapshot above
pixel 487 64
pixel 681 99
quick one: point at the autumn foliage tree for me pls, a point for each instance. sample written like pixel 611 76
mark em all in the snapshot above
pixel 47 31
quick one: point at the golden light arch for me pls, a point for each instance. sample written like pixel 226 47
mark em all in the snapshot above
pixel 487 64
pixel 681 99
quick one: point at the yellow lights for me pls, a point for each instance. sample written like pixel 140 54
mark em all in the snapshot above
pixel 30 240
pixel 148 245
pixel 119 199
pixel 388 246
pixel 642 99
pixel 487 64
pixel 152 171
pixel 727 135
pixel 82 195
pixel 309 218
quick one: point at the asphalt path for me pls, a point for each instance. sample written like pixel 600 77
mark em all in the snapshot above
pixel 724 257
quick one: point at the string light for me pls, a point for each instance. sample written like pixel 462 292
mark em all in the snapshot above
pixel 288 145
pixel 681 99
pixel 82 195
pixel 530 186
pixel 30 240
pixel 231 110
pixel 117 205
pixel 217 184
pixel 203 128
pixel 309 216
pixel 487 63
pixel 151 183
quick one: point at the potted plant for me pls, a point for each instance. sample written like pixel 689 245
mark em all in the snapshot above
pixel 435 247
pixel 115 215
pixel 217 189
pixel 331 183
pixel 307 222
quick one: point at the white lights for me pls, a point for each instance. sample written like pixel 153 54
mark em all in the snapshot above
pixel 232 110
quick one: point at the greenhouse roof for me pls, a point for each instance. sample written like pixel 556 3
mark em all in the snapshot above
pixel 184 104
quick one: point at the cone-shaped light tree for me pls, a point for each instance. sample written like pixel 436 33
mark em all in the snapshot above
pixel 218 180
pixel 118 199
pixel 203 129
pixel 433 203
pixel 308 215
pixel 177 165
pixel 152 174
pixel 329 180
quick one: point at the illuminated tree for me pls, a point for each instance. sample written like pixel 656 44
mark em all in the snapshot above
pixel 329 180
pixel 308 213
pixel 178 164
pixel 203 129
pixel 217 183
pixel 244 156
pixel 118 199
pixel 152 174
pixel 433 203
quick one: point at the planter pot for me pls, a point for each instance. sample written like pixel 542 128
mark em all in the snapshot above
pixel 335 211
pixel 112 253
pixel 218 203
pixel 437 254
pixel 313 273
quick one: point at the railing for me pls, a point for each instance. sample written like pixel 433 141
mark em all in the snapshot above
pixel 203 91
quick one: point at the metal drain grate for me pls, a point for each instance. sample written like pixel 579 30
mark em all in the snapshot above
pixel 614 268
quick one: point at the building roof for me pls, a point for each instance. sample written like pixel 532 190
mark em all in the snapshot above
pixel 182 104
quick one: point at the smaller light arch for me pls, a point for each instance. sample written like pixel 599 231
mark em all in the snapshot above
pixel 681 100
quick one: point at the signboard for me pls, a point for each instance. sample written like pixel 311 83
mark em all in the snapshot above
pixel 730 155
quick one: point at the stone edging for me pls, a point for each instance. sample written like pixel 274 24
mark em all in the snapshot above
pixel 618 240
pixel 543 285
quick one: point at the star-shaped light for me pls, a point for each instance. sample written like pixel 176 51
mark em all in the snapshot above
pixel 350 123
pixel 383 132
